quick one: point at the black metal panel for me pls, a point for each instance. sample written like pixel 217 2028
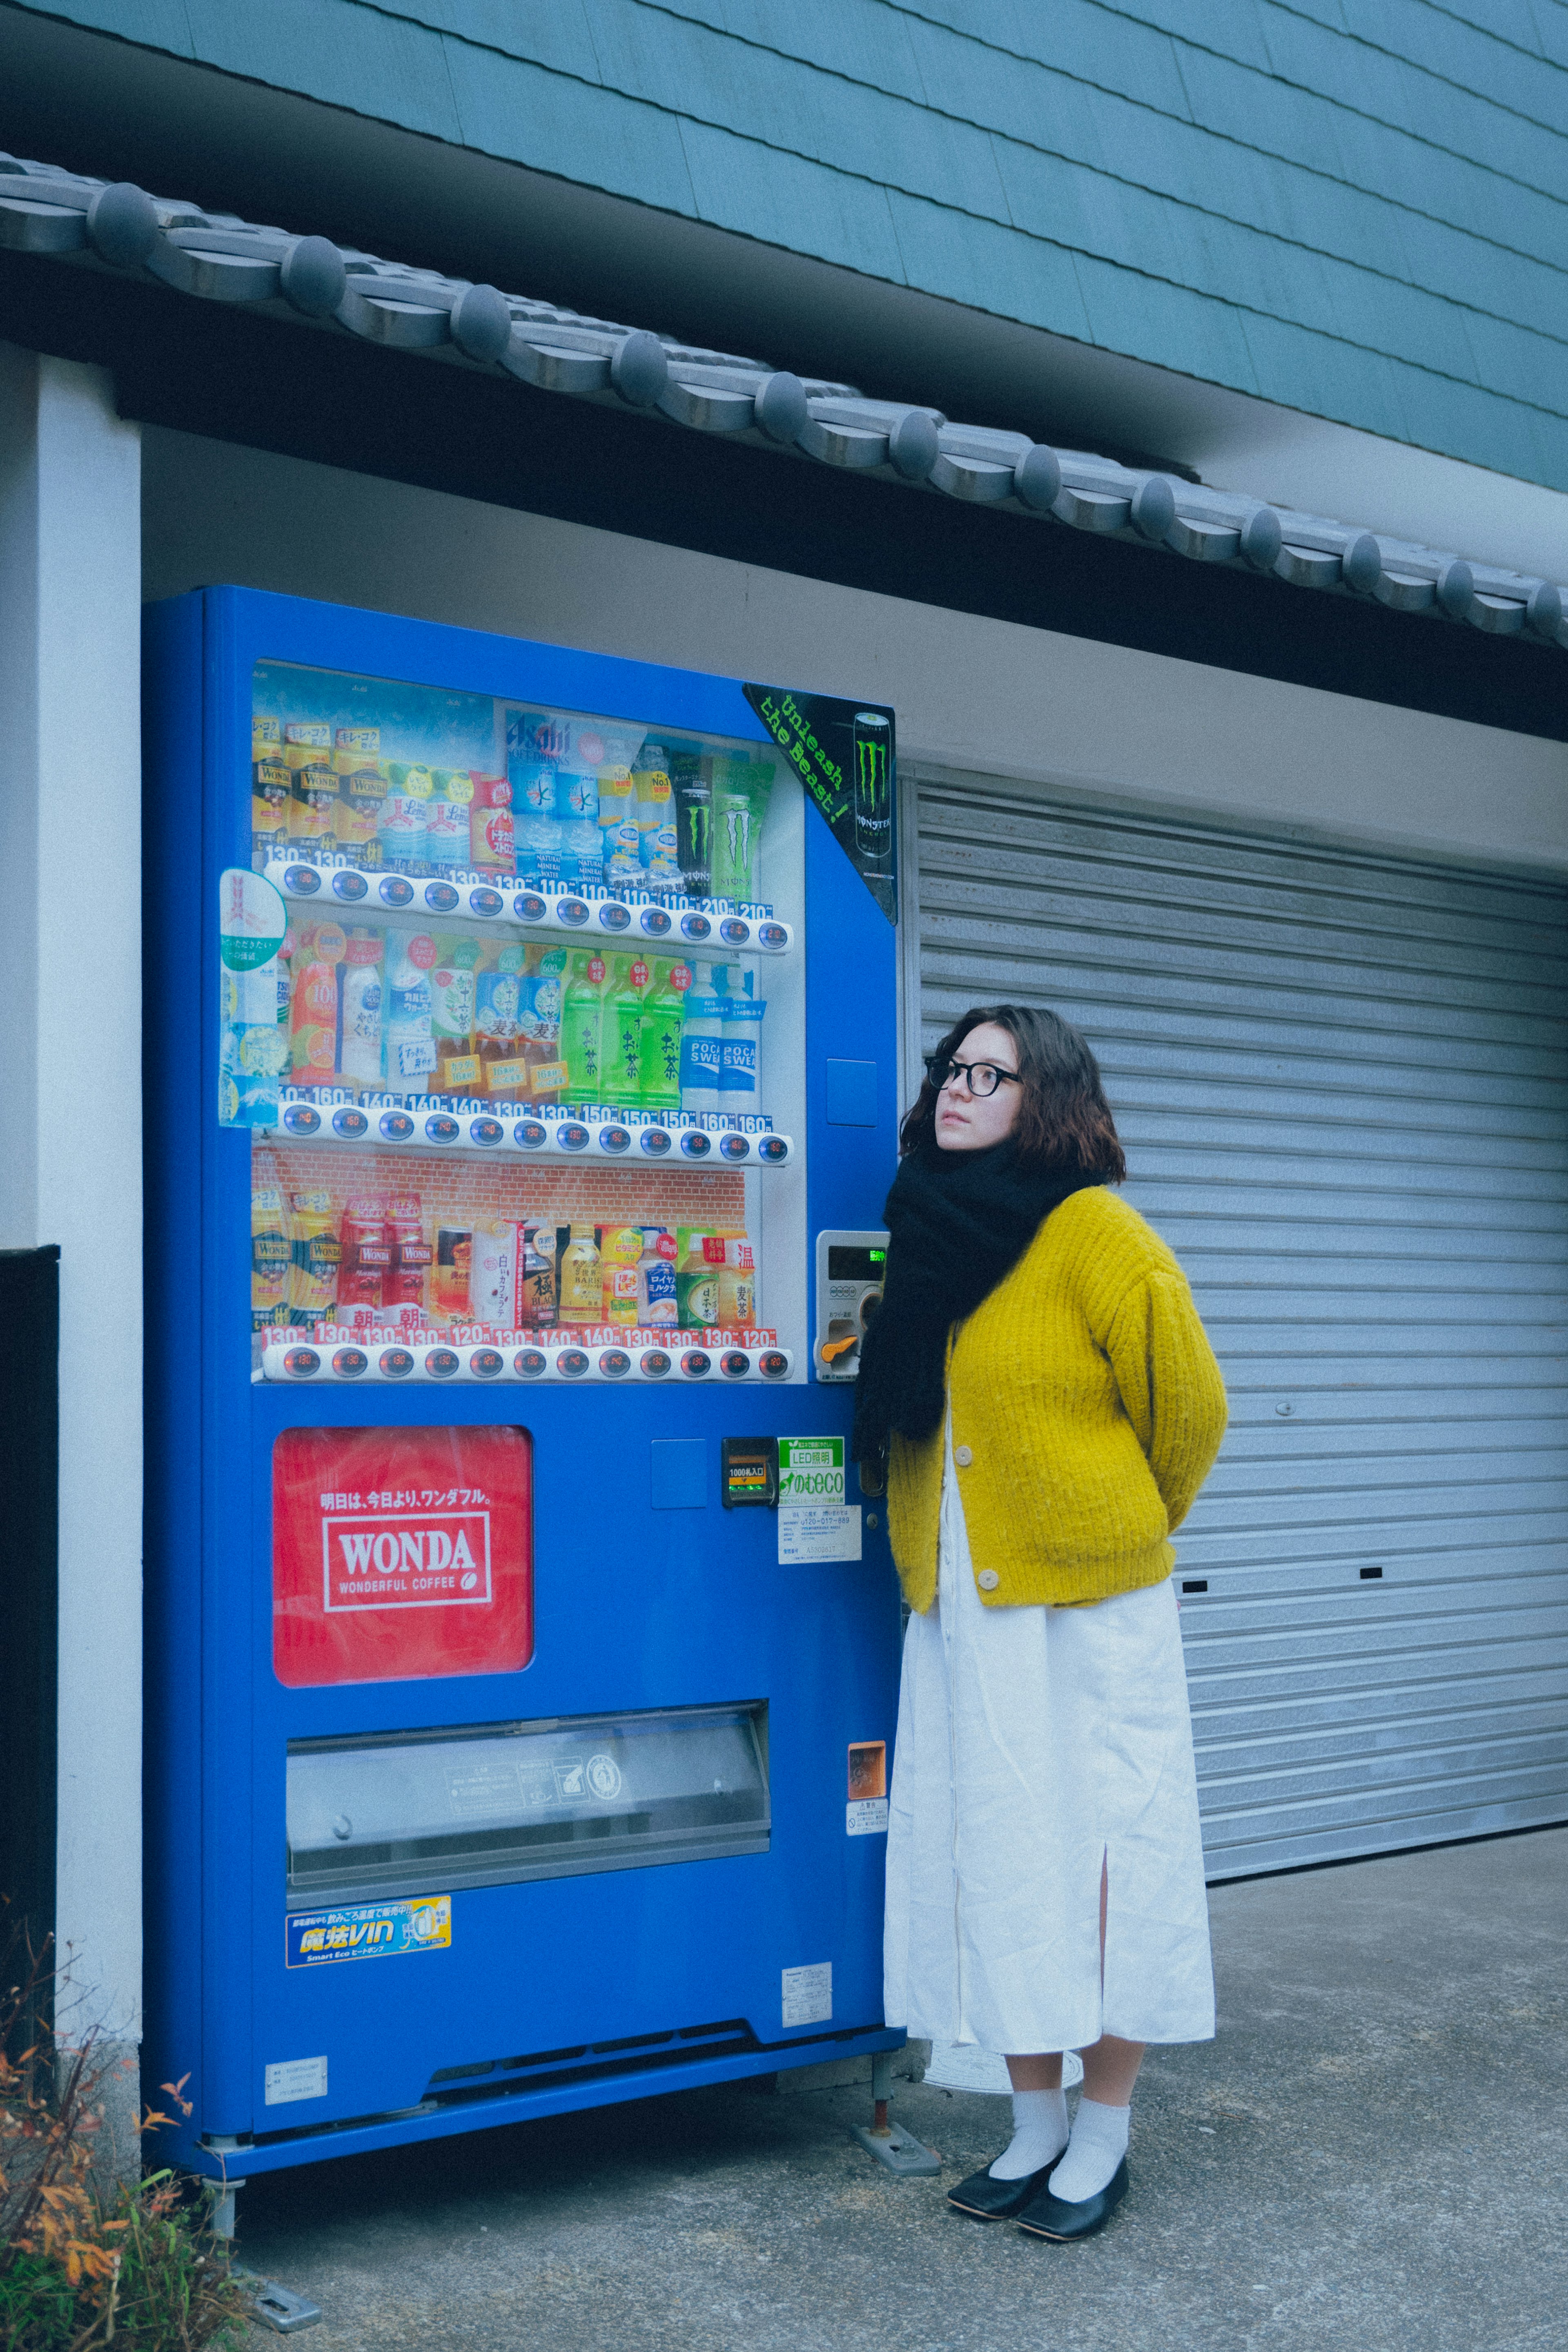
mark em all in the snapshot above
pixel 29 1465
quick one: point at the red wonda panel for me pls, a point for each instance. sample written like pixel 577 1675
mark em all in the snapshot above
pixel 400 1553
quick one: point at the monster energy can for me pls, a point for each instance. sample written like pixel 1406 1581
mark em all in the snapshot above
pixel 691 778
pixel 873 791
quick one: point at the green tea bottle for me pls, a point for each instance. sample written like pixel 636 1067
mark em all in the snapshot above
pixel 582 1028
pixel 623 1084
pixel 659 1045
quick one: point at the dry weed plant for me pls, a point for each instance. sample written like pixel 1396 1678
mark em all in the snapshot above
pixel 145 2273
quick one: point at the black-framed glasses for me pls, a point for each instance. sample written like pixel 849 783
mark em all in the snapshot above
pixel 984 1078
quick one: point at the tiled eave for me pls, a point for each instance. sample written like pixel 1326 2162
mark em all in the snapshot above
pixel 119 229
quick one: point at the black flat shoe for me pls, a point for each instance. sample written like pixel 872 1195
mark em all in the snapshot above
pixel 985 2200
pixel 1053 2218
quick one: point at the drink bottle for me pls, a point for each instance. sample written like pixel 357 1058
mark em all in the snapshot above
pixel 620 1255
pixel 361 793
pixel 582 1027
pixel 743 1011
pixel 732 829
pixel 314 1260
pixel 534 824
pixel 268 792
pixel 446 823
pixel 581 1286
pixel 407 1031
pixel 702 1035
pixel 657 833
pixel 620 847
pixel 271 1255
pixel 451 1295
pixel 498 1021
pixel 692 779
pixel 320 949
pixel 535 1286
pixel 404 816
pixel 658 1307
pixel 452 1016
pixel 543 989
pixel 663 1023
pixel 699 1261
pixel 737 1285
pixel 403 1293
pixel 359 1009
pixel 493 1273
pixel 313 788
pixel 364 1241
pixel 491 842
pixel 623 1082
pixel 581 850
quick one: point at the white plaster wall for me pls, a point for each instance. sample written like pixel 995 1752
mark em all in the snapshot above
pixel 70 1079
pixel 971 694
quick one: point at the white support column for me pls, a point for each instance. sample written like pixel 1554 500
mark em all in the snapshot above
pixel 70 1083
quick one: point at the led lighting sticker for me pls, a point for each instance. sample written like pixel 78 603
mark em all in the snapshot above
pixel 369 1931
pixel 810 1470
pixel 814 1522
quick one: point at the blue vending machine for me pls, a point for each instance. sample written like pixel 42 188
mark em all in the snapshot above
pixel 521 1098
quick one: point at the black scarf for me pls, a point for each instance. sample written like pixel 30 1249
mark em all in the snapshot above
pixel 958 1222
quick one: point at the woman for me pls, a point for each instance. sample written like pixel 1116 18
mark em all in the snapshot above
pixel 1039 1387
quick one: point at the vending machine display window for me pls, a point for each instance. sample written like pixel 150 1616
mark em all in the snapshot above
pixel 523 1800
pixel 509 1001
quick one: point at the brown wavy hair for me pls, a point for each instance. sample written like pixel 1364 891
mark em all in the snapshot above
pixel 1064 1120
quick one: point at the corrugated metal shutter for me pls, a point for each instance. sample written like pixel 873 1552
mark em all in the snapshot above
pixel 1340 1080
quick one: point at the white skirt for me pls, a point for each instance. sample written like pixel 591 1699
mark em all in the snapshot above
pixel 1035 1746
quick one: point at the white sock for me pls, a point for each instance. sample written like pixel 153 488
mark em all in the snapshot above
pixel 1098 2144
pixel 1039 2133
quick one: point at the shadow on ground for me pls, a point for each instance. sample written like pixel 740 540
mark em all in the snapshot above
pixel 1371 2155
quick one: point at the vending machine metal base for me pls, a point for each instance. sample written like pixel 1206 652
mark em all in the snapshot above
pixel 501 1760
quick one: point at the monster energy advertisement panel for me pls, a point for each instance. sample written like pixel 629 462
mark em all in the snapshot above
pixel 845 755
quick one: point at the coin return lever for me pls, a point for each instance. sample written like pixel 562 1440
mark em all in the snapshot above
pixel 850 1269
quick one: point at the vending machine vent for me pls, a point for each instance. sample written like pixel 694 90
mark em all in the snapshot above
pixel 396 1812
pixel 632 2055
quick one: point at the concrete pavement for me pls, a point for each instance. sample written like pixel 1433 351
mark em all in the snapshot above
pixel 1372 2155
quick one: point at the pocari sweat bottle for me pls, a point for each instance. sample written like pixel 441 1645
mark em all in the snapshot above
pixel 742 1022
pixel 702 1042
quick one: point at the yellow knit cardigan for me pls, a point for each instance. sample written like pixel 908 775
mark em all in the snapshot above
pixel 1087 1410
